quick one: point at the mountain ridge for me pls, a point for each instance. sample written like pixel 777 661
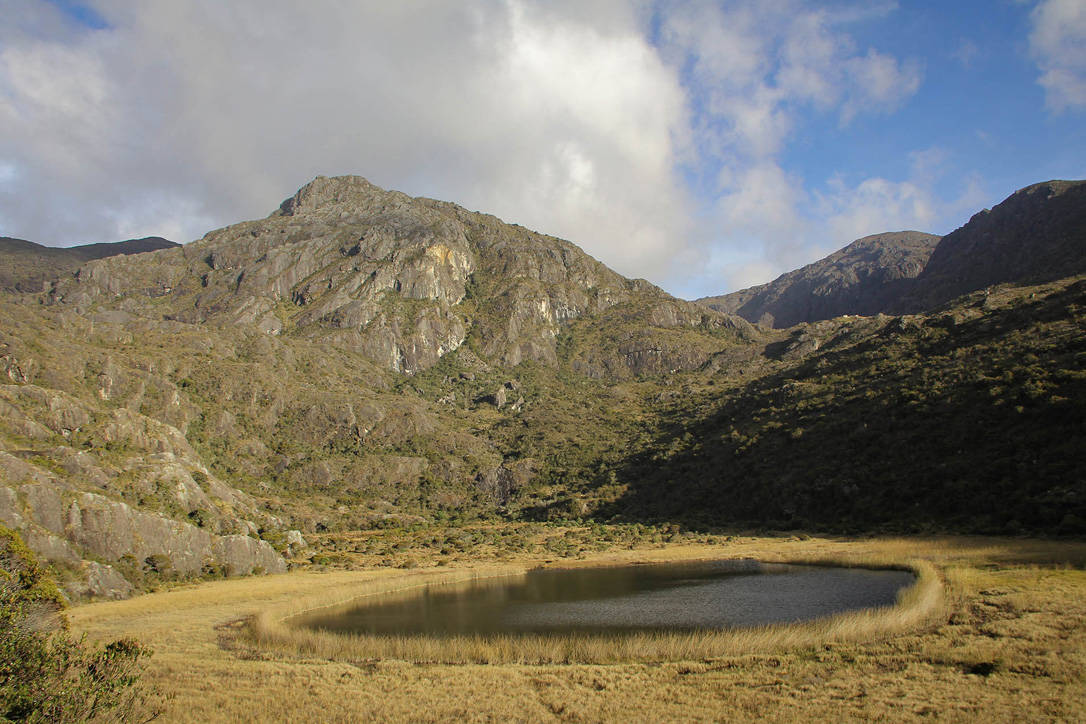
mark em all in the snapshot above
pixel 25 266
pixel 360 359
pixel 865 278
pixel 1033 236
pixel 387 275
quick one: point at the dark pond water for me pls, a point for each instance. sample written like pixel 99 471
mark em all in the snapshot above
pixel 670 597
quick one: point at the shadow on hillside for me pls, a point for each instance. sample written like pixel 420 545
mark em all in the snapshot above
pixel 982 429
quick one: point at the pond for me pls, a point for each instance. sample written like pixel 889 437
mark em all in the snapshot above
pixel 648 597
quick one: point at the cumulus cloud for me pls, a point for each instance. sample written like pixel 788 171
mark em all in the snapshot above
pixel 756 72
pixel 178 117
pixel 850 212
pixel 650 133
pixel 1058 43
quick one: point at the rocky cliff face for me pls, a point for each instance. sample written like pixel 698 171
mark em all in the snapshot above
pixel 358 357
pixel 45 493
pixel 1036 235
pixel 867 277
pixel 403 281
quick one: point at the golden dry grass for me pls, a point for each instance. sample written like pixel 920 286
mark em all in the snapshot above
pixel 271 628
pixel 1003 639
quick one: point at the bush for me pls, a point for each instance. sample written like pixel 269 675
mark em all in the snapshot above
pixel 45 674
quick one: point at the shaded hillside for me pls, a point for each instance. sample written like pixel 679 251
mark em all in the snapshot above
pixel 1036 235
pixel 26 266
pixel 867 277
pixel 969 420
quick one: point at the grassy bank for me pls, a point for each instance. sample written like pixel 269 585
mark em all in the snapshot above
pixel 994 629
pixel 922 603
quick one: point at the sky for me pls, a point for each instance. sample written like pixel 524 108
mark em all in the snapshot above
pixel 704 145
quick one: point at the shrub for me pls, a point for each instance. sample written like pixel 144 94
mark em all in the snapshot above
pixel 45 674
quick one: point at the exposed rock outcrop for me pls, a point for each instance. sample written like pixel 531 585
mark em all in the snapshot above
pixel 29 267
pixel 1036 235
pixel 76 505
pixel 63 524
pixel 399 279
pixel 867 277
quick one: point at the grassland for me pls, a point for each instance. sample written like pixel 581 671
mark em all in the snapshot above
pixel 995 632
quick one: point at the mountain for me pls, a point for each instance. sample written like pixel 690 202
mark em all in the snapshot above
pixel 357 358
pixel 402 281
pixel 1036 235
pixel 361 359
pixel 26 266
pixel 867 277
pixel 968 419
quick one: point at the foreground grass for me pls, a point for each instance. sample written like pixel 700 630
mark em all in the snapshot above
pixel 997 631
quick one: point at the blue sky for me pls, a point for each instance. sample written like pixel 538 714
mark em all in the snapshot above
pixel 703 145
pixel 979 103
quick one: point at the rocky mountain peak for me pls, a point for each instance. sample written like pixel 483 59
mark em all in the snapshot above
pixel 340 193
pixel 402 280
pixel 864 278
pixel 1037 234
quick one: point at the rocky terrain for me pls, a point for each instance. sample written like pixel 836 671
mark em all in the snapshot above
pixel 29 267
pixel 1034 236
pixel 402 281
pixel 361 359
pixel 869 276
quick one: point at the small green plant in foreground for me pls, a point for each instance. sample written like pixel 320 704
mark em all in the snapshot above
pixel 45 674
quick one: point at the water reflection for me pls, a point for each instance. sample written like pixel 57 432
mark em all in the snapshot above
pixel 673 596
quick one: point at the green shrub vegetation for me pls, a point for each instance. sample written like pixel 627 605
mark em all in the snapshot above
pixel 915 428
pixel 46 675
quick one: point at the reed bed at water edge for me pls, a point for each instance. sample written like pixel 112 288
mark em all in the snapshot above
pixel 922 603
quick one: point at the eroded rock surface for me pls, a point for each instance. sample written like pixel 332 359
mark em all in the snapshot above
pixel 400 279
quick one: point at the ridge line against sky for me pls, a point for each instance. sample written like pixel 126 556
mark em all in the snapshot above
pixel 706 146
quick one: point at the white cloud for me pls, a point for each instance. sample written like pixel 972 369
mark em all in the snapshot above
pixel 876 204
pixel 596 121
pixel 967 53
pixel 57 105
pixel 1058 43
pixel 879 84
pixel 593 120
pixel 755 73
pixel 558 116
pixel 761 200
pixel 755 67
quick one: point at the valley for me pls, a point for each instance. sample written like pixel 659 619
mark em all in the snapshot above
pixel 1003 639
pixel 365 391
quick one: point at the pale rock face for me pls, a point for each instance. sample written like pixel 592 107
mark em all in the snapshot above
pixel 381 273
pixel 9 508
pixel 111 530
pixel 62 523
pixel 104 582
